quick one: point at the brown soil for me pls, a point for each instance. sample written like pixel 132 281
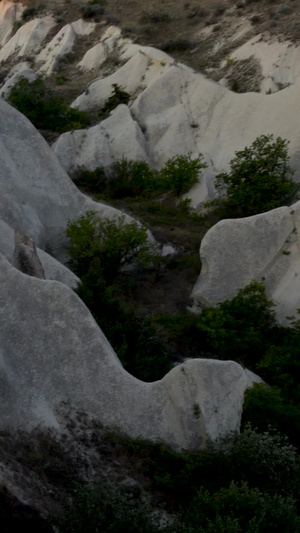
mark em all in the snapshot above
pixel 198 33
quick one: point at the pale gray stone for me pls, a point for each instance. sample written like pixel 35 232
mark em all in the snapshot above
pixel 25 256
pixel 53 353
pixel 264 248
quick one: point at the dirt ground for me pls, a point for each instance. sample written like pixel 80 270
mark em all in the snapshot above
pixel 198 33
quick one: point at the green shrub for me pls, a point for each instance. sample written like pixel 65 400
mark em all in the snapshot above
pixel 98 251
pixel 135 179
pixel 92 10
pixel 44 109
pixel 259 179
pixel 119 96
pixel 240 329
pixel 94 181
pixel 110 243
pixel 266 407
pixel 181 172
pixel 132 179
pixel 240 509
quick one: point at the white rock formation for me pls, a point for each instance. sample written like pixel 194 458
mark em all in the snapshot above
pixel 102 145
pixel 181 111
pixel 37 196
pixel 96 55
pixel 134 76
pixel 52 352
pixel 28 39
pixel 61 45
pixel 264 248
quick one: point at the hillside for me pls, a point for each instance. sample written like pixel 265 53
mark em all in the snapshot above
pixel 131 365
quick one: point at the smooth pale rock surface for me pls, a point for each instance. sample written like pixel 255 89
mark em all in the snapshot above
pixel 61 44
pixel 52 352
pixel 37 196
pixel 28 39
pixel 96 55
pixel 102 145
pixel 264 248
pixel 133 76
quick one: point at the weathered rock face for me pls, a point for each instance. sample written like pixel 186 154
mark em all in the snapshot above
pixel 37 196
pixel 27 40
pixel 263 247
pixel 52 352
pixel 102 145
pixel 174 110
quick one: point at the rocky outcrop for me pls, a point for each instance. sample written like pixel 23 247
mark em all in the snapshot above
pixel 264 248
pixel 53 354
pixel 102 145
pixel 37 196
pixel 25 256
pixel 174 110
pixel 27 40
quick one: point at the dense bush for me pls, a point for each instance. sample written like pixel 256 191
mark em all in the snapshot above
pixel 259 179
pixel 30 12
pixel 131 179
pixel 239 329
pixel 180 173
pixel 135 179
pixel 119 96
pixel 240 509
pixel 110 244
pixel 99 250
pixel 44 109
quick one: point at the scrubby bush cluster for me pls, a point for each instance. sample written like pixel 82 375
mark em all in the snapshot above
pixel 45 109
pixel 135 179
pixel 244 484
pixel 260 179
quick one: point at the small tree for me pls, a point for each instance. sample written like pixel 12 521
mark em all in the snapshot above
pixel 260 178
pixel 181 173
pixel 111 244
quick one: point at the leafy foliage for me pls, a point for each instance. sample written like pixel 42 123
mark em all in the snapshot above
pixel 44 109
pixel 119 96
pixel 107 244
pixel 99 250
pixel 131 179
pixel 135 179
pixel 271 407
pixel 259 179
pixel 181 172
pixel 240 509
pixel 238 329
